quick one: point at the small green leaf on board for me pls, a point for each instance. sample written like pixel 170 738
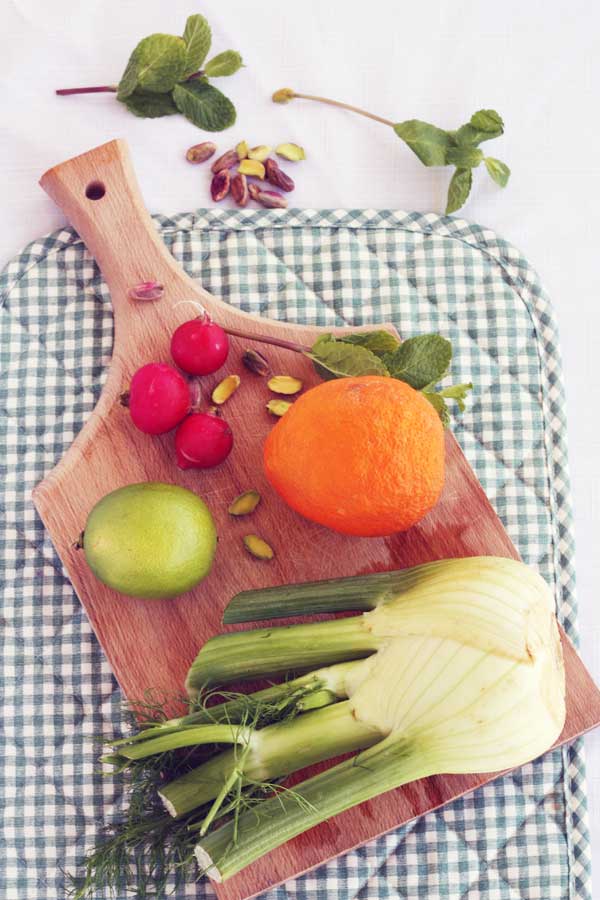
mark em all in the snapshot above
pixel 378 342
pixel 340 359
pixel 421 361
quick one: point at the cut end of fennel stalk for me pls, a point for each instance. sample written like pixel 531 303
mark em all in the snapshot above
pixel 206 865
pixel 169 807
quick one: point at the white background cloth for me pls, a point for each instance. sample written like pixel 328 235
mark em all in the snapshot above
pixel 535 62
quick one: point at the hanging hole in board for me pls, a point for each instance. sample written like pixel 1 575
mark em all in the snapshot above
pixel 95 190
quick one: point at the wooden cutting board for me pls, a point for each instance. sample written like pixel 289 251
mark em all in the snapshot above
pixel 151 644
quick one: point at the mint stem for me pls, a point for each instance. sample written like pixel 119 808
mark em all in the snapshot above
pixel 104 88
pixel 109 88
pixel 356 109
pixel 263 339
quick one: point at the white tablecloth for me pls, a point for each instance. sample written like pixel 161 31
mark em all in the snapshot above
pixel 535 62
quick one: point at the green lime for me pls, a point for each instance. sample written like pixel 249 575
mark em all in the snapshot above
pixel 150 540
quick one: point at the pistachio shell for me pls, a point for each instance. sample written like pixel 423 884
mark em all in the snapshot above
pixel 252 167
pixel 278 407
pixel 242 150
pixel 260 153
pixel 201 152
pixel 244 504
pixel 225 389
pixel 256 362
pixel 291 151
pixel 284 384
pixel 147 290
pixel 257 547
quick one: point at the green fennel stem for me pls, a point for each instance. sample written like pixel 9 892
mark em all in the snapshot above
pixel 361 592
pixel 389 764
pixel 231 780
pixel 273 752
pixel 272 651
pixel 238 710
pixel 188 736
pixel 310 691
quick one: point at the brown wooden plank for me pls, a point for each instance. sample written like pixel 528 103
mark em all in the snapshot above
pixel 151 644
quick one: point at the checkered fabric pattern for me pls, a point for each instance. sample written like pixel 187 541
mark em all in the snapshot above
pixel 524 837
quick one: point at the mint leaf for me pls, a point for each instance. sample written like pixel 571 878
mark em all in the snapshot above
pixel 456 392
pixel 339 359
pixel 489 121
pixel 226 63
pixel 156 65
pixel 428 142
pixel 378 342
pixel 440 406
pixel 160 62
pixel 421 361
pixel 197 37
pixel 128 82
pixel 204 105
pixel 437 399
pixel 459 189
pixel 499 171
pixel 464 157
pixel 150 106
pixel 484 125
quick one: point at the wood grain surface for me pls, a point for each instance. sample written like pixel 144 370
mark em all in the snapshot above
pixel 150 644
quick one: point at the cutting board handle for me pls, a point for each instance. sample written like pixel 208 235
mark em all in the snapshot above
pixel 99 194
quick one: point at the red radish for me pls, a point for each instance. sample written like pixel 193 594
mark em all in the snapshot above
pixel 202 441
pixel 159 398
pixel 199 346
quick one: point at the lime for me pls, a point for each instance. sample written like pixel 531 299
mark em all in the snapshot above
pixel 150 540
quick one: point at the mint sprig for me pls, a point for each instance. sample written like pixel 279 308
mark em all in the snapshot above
pixel 437 146
pixel 164 76
pixel 422 362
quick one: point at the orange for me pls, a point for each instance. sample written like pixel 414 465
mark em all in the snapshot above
pixel 364 456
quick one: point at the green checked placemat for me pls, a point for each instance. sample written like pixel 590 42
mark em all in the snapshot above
pixel 524 836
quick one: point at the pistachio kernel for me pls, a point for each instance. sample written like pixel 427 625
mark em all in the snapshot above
pixel 252 167
pixel 284 384
pixel 244 504
pixel 257 547
pixel 293 152
pixel 260 153
pixel 225 389
pixel 278 407
pixel 242 150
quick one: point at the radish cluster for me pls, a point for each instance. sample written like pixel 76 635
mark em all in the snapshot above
pixel 160 398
